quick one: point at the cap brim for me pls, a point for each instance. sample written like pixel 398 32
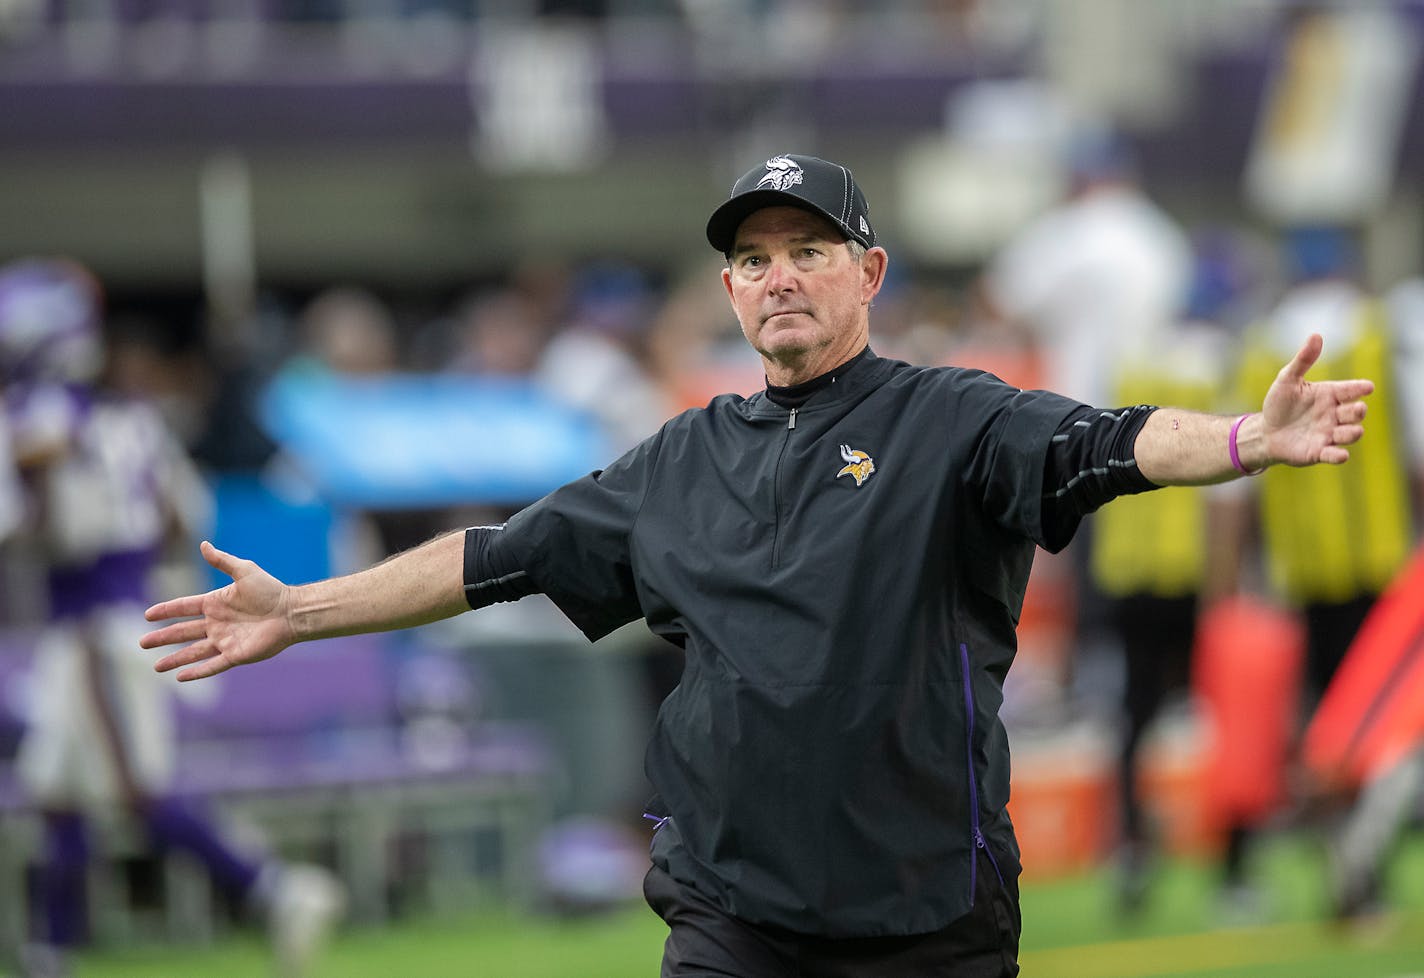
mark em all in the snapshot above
pixel 722 225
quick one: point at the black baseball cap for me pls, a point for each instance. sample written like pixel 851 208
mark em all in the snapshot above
pixel 811 184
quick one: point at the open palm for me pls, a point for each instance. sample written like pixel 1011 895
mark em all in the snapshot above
pixel 242 622
pixel 1308 422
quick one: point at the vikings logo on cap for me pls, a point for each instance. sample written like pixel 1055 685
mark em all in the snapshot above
pixel 858 464
pixel 781 174
pixel 790 180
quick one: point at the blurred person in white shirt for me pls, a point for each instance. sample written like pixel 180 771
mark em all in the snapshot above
pixel 595 362
pixel 1096 278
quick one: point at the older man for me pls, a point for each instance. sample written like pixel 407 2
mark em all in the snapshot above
pixel 843 558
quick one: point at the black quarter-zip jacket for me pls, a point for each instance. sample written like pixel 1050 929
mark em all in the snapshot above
pixel 845 579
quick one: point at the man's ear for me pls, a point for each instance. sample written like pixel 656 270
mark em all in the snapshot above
pixel 872 273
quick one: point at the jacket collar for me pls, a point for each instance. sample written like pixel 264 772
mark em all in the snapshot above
pixel 865 373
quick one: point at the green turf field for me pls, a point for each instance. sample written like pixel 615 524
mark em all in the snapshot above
pixel 1070 931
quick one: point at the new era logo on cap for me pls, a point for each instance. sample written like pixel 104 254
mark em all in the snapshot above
pixel 807 182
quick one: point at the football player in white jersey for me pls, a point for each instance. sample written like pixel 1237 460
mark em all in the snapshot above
pixel 106 484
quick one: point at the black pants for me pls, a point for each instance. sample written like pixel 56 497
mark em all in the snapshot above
pixel 1329 630
pixel 704 942
pixel 1157 636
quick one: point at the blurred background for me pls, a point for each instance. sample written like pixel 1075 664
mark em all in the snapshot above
pixel 379 268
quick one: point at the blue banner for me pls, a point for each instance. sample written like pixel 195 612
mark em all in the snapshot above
pixel 415 441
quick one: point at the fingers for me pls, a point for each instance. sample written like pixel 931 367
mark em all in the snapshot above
pixel 220 559
pixel 175 634
pixel 210 667
pixel 186 656
pixel 176 608
pixel 1347 434
pixel 187 607
pixel 1350 390
pixel 1351 413
pixel 1304 359
pixel 201 658
pixel 1335 453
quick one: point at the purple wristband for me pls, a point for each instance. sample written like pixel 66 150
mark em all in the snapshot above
pixel 1231 448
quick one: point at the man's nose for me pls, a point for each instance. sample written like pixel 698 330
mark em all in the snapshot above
pixel 780 276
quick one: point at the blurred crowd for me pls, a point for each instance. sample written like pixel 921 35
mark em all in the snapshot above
pixel 827 11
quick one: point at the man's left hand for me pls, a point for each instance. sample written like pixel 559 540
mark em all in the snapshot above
pixel 1304 422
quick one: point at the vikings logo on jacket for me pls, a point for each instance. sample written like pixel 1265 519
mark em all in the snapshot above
pixel 858 464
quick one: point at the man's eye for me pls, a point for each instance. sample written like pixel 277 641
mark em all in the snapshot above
pixel 751 261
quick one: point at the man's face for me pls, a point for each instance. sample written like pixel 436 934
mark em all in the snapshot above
pixel 803 300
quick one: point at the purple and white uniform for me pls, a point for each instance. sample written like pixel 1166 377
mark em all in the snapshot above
pixel 117 484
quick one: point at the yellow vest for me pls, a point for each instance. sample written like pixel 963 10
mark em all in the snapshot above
pixel 1154 543
pixel 1332 533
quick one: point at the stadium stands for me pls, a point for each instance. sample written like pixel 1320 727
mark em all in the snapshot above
pixel 316 757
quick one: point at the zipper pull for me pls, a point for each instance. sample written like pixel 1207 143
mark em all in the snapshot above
pixel 979 842
pixel 791 421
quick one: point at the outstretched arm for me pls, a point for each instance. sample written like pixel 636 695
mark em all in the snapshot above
pixel 1300 423
pixel 256 616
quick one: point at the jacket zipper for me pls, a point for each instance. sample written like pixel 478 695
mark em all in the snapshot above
pixel 975 830
pixel 776 492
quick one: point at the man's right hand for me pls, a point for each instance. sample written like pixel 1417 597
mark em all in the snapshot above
pixel 245 621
